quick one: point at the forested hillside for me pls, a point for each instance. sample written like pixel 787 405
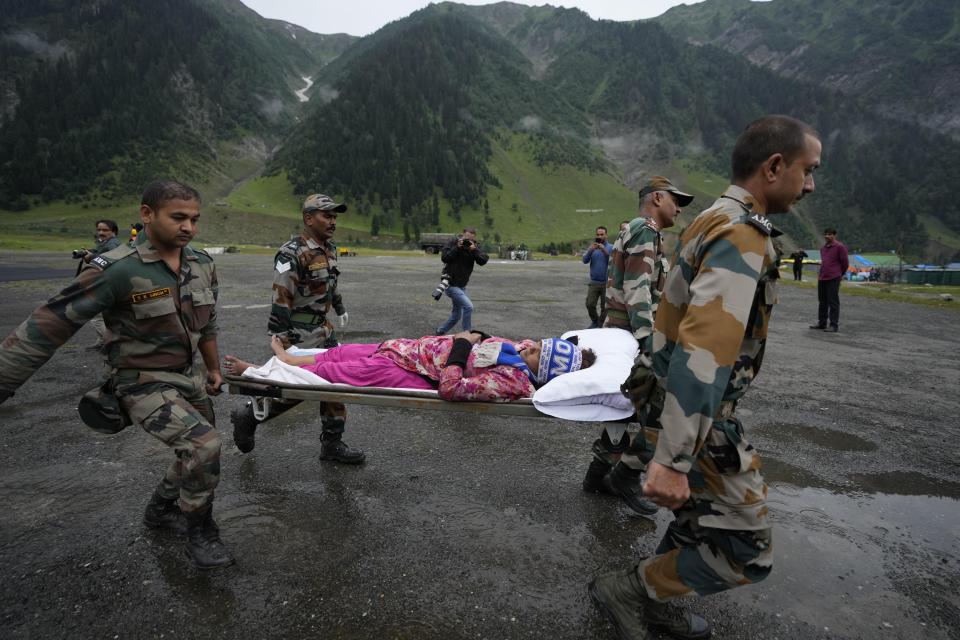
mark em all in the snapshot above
pixel 517 119
pixel 417 108
pixel 97 97
pixel 636 80
pixel 415 115
pixel 900 57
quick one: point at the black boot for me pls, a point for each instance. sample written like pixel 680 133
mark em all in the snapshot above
pixel 244 428
pixel 339 451
pixel 620 596
pixel 674 621
pixel 203 541
pixel 593 481
pixel 163 513
pixel 625 482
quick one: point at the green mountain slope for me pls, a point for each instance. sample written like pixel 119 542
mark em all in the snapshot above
pixel 415 115
pixel 901 57
pixel 98 97
pixel 525 122
pixel 657 103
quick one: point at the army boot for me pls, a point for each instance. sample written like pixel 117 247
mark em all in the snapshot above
pixel 620 596
pixel 203 541
pixel 672 620
pixel 244 428
pixel 593 481
pixel 625 482
pixel 337 450
pixel 163 513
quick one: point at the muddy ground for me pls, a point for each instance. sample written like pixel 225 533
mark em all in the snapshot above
pixel 476 527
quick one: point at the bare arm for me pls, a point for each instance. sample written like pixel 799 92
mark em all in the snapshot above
pixel 211 360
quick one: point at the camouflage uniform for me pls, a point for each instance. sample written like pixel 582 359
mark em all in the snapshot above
pixel 102 247
pixel 707 346
pixel 304 291
pixel 635 282
pixel 635 278
pixel 156 320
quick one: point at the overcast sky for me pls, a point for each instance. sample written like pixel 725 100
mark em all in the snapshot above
pixel 363 17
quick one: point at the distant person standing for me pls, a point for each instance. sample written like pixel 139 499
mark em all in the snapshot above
pixel 107 239
pixel 797 257
pixel 459 256
pixel 598 257
pixel 636 275
pixel 833 264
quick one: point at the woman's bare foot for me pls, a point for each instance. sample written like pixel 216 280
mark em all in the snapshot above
pixel 235 366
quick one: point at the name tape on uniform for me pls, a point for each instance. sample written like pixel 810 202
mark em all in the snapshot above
pixel 143 296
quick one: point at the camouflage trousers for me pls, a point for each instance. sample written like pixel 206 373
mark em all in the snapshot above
pixel 721 537
pixel 616 444
pixel 333 415
pixel 175 409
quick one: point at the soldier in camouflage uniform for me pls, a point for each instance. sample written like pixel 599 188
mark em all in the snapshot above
pixel 304 293
pixel 708 343
pixel 158 299
pixel 635 279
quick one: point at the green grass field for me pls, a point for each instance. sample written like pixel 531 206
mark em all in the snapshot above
pixel 940 232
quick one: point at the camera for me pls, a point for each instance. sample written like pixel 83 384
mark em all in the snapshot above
pixel 444 283
pixel 598 240
pixel 467 243
pixel 78 254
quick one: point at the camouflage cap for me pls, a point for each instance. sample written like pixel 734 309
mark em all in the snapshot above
pixel 659 183
pixel 320 202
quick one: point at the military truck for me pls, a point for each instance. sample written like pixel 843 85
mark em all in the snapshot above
pixel 434 242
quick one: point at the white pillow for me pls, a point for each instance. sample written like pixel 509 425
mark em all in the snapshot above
pixel 592 394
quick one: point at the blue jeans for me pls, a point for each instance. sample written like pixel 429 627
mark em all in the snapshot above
pixel 461 306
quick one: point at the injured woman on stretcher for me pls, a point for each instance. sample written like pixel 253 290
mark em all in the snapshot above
pixel 468 366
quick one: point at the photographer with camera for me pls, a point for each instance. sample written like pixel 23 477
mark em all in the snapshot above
pixel 106 240
pixel 459 256
pixel 597 256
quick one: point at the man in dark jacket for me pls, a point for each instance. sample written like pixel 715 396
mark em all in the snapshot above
pixel 833 264
pixel 459 256
pixel 797 257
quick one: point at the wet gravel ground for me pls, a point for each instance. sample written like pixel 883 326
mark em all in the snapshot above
pixel 462 526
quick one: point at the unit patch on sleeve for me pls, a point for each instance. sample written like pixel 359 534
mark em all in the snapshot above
pixel 143 296
pixel 100 262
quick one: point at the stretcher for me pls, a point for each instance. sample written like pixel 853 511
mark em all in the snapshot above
pixel 265 392
pixel 588 395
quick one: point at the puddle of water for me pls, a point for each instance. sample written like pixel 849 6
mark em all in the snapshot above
pixel 826 438
pixel 841 560
pixel 906 483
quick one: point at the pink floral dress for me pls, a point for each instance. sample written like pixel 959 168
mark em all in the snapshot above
pixel 426 356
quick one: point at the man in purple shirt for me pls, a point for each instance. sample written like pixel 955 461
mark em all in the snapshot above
pixel 833 264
